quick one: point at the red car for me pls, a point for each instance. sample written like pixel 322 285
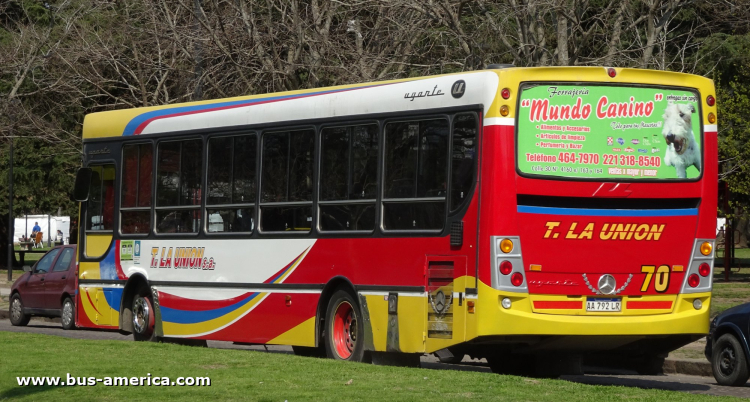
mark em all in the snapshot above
pixel 48 289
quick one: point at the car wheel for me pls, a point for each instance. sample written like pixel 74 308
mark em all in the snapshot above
pixel 345 334
pixel 728 361
pixel 17 317
pixel 143 318
pixel 68 314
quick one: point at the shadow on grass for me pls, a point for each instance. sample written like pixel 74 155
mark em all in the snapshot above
pixel 638 382
pixel 29 390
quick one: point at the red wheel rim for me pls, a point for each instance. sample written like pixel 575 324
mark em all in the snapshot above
pixel 344 330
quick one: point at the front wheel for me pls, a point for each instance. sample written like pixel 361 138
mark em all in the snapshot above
pixel 344 332
pixel 143 318
pixel 17 317
pixel 728 361
pixel 68 314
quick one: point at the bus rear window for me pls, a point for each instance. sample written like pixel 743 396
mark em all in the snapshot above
pixel 604 132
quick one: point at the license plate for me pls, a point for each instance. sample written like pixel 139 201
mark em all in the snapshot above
pixel 605 305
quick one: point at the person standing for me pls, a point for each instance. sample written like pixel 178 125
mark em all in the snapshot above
pixel 36 229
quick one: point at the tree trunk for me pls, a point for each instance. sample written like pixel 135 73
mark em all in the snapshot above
pixel 4 245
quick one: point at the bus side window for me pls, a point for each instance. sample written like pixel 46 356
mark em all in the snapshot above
pixel 286 181
pixel 464 159
pixel 137 180
pixel 230 206
pixel 178 186
pixel 348 178
pixel 416 161
pixel 101 203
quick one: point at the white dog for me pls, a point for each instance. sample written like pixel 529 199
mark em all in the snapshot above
pixel 682 150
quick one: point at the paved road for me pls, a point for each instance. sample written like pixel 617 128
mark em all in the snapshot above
pixel 672 382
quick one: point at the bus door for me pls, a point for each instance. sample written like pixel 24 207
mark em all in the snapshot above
pixel 446 307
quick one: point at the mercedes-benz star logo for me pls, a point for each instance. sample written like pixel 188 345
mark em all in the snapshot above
pixel 607 284
pixel 440 302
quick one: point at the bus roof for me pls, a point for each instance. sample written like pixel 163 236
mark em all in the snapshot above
pixel 478 88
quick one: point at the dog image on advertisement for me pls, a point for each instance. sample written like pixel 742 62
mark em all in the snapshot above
pixel 682 150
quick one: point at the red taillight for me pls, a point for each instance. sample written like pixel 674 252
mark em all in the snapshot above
pixel 710 100
pixel 505 93
pixel 506 267
pixel 611 72
pixel 704 269
pixel 516 279
pixel 288 300
pixel 694 280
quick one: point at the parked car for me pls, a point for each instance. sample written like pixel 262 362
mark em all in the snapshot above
pixel 727 346
pixel 48 289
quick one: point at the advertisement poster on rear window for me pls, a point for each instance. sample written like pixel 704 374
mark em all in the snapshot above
pixel 609 132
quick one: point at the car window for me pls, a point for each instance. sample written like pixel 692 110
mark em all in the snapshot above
pixel 43 266
pixel 63 263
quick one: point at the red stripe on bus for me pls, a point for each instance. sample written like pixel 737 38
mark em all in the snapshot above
pixel 568 305
pixel 183 303
pixel 649 305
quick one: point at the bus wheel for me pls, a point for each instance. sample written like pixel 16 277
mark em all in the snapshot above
pixel 143 318
pixel 508 364
pixel 344 335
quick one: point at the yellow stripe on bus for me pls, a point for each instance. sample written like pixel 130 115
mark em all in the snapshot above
pixel 213 325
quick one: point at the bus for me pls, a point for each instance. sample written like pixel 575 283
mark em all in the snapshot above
pixel 535 217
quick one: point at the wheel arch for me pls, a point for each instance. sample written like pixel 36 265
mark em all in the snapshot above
pixel 64 296
pixel 335 283
pixel 135 282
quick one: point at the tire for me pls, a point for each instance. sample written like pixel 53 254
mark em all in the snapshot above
pixel 68 314
pixel 653 365
pixel 143 318
pixel 728 361
pixel 17 317
pixel 507 364
pixel 344 335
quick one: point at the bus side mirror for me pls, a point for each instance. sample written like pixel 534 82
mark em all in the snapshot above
pixel 83 182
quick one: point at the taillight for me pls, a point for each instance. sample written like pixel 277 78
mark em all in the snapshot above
pixel 505 93
pixel 710 100
pixel 704 269
pixel 694 280
pixel 506 267
pixel 516 279
pixel 611 72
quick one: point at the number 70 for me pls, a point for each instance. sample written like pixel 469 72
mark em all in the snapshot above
pixel 662 277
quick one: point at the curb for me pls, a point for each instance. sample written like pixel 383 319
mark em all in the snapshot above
pixel 688 367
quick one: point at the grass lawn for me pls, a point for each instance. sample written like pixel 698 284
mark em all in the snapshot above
pixel 262 376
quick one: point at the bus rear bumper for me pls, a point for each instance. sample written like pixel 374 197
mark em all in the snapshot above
pixel 520 319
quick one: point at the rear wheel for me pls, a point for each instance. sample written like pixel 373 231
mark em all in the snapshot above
pixel 68 314
pixel 520 365
pixel 344 332
pixel 17 317
pixel 728 361
pixel 143 318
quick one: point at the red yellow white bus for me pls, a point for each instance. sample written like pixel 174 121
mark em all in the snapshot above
pixel 519 214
